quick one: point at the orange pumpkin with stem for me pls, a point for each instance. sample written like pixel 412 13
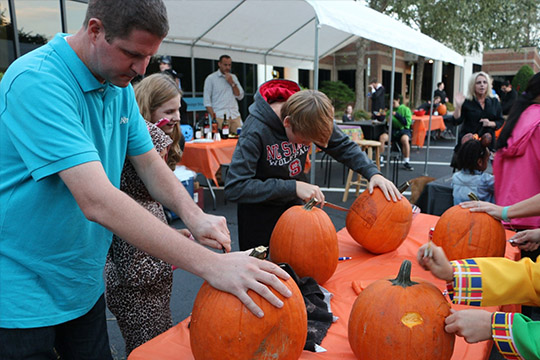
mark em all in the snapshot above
pixel 305 238
pixel 464 234
pixel 377 224
pixel 400 319
pixel 223 328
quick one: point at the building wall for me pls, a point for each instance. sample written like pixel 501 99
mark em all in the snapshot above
pixel 507 62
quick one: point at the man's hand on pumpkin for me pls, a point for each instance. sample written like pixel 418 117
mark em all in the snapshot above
pixel 239 273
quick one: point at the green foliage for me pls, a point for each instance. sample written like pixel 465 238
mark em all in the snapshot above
pixel 1 75
pixel 520 81
pixel 338 92
pixel 361 115
pixel 465 25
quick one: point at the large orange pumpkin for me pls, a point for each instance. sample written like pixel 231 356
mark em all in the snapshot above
pixel 400 319
pixel 305 238
pixel 441 109
pixel 377 224
pixel 464 234
pixel 223 328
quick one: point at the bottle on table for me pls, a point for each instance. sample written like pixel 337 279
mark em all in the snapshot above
pixel 206 129
pixel 225 128
pixel 214 126
pixel 199 129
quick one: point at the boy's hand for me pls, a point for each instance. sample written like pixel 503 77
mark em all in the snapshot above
pixel 437 263
pixel 306 192
pixel 388 188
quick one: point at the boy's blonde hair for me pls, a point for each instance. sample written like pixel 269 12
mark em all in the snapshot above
pixel 311 115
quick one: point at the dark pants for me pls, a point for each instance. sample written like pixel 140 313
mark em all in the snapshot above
pixel 256 223
pixel 449 123
pixel 82 338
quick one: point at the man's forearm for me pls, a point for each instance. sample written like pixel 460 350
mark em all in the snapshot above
pixel 210 110
pixel 106 205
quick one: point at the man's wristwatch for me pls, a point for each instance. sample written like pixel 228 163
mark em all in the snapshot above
pixel 233 84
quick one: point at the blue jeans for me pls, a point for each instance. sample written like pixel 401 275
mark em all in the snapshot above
pixel 82 338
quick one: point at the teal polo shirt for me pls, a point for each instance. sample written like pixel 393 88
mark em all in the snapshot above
pixel 54 115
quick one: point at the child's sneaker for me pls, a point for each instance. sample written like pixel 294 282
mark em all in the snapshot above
pixel 408 166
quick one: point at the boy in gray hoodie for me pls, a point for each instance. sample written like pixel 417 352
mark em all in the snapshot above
pixel 267 174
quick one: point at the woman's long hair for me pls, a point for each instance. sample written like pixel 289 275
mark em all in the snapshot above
pixel 523 102
pixel 152 92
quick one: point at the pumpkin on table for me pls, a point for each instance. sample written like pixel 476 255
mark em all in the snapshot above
pixel 464 234
pixel 441 109
pixel 377 224
pixel 223 328
pixel 306 239
pixel 400 319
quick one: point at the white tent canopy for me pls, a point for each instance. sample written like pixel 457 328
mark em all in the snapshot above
pixel 289 33
pixel 282 32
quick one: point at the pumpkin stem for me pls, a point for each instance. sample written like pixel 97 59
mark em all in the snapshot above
pixel 404 276
pixel 310 204
pixel 473 196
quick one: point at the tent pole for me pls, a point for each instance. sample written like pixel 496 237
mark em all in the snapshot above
pixel 460 87
pixel 391 116
pixel 265 71
pixel 193 84
pixel 433 86
pixel 315 87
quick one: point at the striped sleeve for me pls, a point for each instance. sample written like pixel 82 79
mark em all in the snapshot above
pixel 466 288
pixel 503 336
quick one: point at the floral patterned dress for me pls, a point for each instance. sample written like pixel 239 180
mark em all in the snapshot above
pixel 139 285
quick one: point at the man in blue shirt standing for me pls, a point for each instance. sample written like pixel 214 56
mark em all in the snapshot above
pixel 68 119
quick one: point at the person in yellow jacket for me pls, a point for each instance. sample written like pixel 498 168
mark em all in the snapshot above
pixel 490 282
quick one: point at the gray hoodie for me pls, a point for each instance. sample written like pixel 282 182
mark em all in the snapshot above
pixel 265 165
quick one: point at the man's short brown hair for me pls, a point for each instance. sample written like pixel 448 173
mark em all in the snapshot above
pixel 121 17
pixel 311 115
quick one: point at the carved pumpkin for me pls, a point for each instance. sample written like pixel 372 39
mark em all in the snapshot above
pixel 223 328
pixel 464 234
pixel 441 109
pixel 400 319
pixel 377 224
pixel 306 239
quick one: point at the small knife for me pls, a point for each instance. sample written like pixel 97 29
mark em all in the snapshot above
pixel 330 205
pixel 334 206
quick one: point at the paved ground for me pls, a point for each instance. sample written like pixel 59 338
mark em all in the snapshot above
pixel 185 285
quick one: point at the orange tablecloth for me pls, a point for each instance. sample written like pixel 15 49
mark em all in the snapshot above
pixel 421 125
pixel 206 158
pixel 364 268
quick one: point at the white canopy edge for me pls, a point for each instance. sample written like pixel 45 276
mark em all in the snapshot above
pixel 282 32
pixel 367 23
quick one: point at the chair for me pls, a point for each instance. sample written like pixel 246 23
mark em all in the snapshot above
pixel 326 160
pixel 366 145
pixel 396 157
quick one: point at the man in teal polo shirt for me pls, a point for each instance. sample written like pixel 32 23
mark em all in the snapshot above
pixel 68 118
